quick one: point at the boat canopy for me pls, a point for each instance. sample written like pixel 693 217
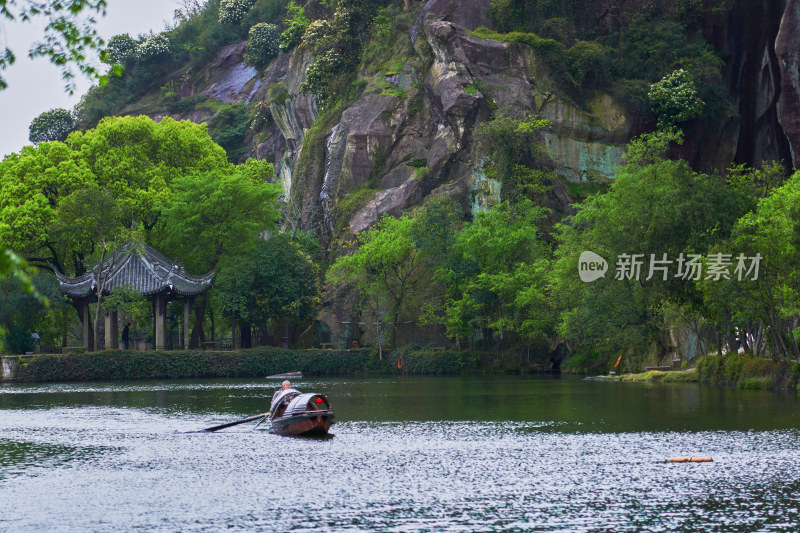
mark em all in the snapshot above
pixel 284 395
pixel 307 402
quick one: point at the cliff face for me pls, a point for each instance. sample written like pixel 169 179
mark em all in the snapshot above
pixel 377 145
pixel 747 37
pixel 787 50
pixel 381 141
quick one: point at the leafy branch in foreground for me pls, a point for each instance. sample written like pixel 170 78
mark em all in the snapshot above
pixel 68 36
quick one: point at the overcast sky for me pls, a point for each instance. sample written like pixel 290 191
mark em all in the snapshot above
pixel 35 86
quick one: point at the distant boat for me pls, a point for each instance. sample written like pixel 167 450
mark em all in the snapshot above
pixel 288 375
pixel 296 413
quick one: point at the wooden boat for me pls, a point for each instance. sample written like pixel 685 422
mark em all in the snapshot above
pixel 296 413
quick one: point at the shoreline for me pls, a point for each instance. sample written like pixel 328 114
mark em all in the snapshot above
pixel 123 365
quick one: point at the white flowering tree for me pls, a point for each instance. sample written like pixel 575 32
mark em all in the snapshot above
pixel 152 47
pixel 674 99
pixel 120 49
pixel 233 11
pixel 263 44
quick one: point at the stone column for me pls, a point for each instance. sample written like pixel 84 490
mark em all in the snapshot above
pixel 187 309
pixel 107 325
pixel 86 324
pixel 161 321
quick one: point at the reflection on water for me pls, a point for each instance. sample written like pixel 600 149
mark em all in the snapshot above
pixel 418 454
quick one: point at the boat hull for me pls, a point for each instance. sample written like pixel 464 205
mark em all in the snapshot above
pixel 305 424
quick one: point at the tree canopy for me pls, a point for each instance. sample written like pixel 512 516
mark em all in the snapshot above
pixel 277 279
pixel 133 158
pixel 655 209
pixel 53 125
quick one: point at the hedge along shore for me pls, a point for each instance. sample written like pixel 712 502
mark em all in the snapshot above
pixel 259 362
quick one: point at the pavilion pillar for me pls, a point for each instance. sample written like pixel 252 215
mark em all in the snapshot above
pixel 86 324
pixel 112 330
pixel 187 309
pixel 161 320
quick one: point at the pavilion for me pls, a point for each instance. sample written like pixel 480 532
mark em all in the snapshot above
pixel 151 274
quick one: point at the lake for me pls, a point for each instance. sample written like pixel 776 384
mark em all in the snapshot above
pixel 460 454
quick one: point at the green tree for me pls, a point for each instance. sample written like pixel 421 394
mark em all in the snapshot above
pixel 135 159
pixel 275 281
pixel 121 49
pixel 218 214
pixel 233 11
pixel 772 231
pixel 336 46
pixel 498 275
pixel 657 208
pixel 519 159
pixel 128 300
pixel 53 125
pixel 13 265
pixel 384 269
pixel 22 310
pixel 92 217
pixel 757 182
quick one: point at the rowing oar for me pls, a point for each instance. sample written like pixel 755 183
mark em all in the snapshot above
pixel 229 424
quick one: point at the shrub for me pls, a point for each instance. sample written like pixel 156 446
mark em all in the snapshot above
pixel 233 11
pixel 228 129
pixel 262 45
pixel 169 98
pixel 297 25
pixel 256 362
pixel 18 340
pixel 420 173
pixel 585 363
pixel 261 116
pixel 756 383
pixel 589 64
pixel 382 24
pixel 278 92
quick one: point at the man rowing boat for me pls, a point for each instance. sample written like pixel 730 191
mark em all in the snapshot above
pixel 285 385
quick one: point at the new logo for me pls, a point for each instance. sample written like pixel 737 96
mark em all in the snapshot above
pixel 591 267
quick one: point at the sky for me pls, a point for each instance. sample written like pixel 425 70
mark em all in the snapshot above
pixel 35 86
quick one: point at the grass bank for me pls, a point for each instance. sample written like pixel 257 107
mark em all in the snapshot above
pixel 661 376
pixel 111 365
pixel 730 370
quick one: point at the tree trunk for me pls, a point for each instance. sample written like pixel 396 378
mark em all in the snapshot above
pixel 213 325
pixel 233 332
pixel 197 330
pixel 246 333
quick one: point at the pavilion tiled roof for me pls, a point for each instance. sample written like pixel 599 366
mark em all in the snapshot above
pixel 140 266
